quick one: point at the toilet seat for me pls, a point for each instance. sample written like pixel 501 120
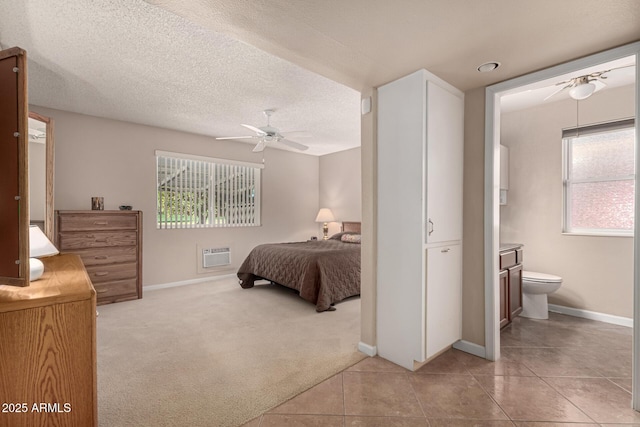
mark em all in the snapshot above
pixel 535 288
pixel 532 276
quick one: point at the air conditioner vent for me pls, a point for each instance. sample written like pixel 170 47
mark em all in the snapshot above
pixel 216 257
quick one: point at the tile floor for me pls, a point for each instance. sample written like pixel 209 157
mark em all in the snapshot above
pixel 563 370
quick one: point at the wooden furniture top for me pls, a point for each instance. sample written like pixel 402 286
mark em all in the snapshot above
pixel 110 212
pixel 64 280
pixel 504 247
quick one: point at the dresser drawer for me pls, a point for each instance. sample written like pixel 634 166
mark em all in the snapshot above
pixel 121 289
pixel 508 259
pixel 108 255
pixel 96 239
pixel 110 273
pixel 97 222
pixel 519 256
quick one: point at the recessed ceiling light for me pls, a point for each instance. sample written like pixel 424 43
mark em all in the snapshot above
pixel 488 66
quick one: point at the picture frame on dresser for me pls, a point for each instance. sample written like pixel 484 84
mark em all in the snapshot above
pixel 109 242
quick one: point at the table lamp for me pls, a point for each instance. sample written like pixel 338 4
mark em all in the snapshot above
pixel 325 215
pixel 39 246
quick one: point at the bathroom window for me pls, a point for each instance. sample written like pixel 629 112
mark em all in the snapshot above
pixel 599 171
pixel 203 192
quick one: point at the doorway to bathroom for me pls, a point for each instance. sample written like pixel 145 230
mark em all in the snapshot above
pixel 494 96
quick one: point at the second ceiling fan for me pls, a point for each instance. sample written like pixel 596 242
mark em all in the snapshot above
pixel 268 134
pixel 582 87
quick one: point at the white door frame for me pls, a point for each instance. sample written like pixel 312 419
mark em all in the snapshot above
pixel 492 208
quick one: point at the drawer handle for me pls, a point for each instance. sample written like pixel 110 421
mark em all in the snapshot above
pixel 100 257
pixel 101 291
pixel 101 273
pixel 100 222
pixel 445 250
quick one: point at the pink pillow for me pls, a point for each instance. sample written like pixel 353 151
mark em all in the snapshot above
pixel 351 238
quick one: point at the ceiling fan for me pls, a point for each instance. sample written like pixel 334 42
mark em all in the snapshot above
pixel 267 134
pixel 582 87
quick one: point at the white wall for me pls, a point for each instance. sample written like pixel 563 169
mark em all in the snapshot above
pixel 597 272
pixel 340 187
pixel 114 159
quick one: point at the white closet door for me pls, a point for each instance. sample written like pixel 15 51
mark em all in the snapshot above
pixel 444 297
pixel 445 144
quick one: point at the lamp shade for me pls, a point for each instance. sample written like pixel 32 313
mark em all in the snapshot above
pixel 582 91
pixel 39 245
pixel 325 215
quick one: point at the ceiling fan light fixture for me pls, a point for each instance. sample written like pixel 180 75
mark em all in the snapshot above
pixel 582 91
pixel 487 67
pixel 267 134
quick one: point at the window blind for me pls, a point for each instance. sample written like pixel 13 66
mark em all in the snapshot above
pixel 196 192
pixel 597 128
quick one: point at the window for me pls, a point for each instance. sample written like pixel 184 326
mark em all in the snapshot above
pixel 198 192
pixel 599 173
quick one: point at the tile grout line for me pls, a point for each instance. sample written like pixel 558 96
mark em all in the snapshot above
pixel 530 368
pixel 553 388
pixel 415 395
pixel 616 384
pixel 569 400
pixel 491 397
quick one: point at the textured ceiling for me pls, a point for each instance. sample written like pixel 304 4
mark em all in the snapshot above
pixel 205 66
pixel 366 43
pixel 129 60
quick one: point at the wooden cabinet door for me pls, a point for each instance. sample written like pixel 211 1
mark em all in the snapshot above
pixel 515 291
pixel 504 298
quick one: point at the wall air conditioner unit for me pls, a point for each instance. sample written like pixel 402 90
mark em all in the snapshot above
pixel 216 257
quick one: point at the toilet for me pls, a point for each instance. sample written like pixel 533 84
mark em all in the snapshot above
pixel 535 288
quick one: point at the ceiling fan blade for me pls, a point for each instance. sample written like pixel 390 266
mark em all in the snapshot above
pixel 599 84
pixel 255 129
pixel 259 147
pixel 557 92
pixel 294 144
pixel 237 137
pixel 297 134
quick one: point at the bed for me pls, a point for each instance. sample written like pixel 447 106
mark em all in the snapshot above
pixel 323 272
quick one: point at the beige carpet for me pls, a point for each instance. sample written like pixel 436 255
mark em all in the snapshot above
pixel 214 354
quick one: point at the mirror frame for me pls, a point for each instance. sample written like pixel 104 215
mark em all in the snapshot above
pixel 48 215
pixel 17 58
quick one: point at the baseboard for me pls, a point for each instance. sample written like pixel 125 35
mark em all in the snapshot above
pixel 471 348
pixel 369 350
pixel 592 315
pixel 186 282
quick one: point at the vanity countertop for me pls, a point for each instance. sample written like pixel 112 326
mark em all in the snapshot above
pixel 510 246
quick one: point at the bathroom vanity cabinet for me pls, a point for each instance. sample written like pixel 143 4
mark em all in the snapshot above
pixel 510 278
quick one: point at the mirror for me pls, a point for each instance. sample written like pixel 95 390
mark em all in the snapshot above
pixel 41 172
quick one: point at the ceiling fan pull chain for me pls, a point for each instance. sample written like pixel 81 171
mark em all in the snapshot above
pixel 577 118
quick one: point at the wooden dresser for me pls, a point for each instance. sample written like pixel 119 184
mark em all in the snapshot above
pixel 110 245
pixel 48 373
